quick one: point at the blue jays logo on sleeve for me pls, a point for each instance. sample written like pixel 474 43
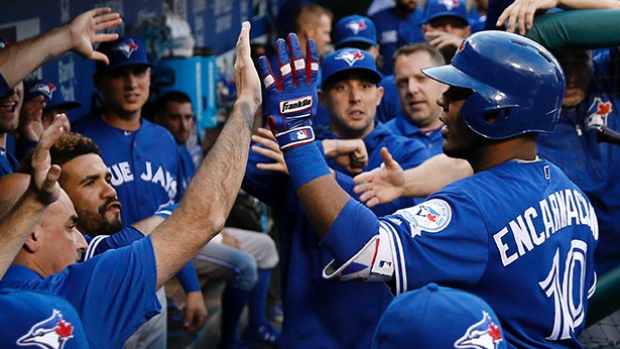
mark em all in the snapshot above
pixel 51 333
pixel 127 48
pixel 597 113
pixel 46 89
pixel 431 216
pixel 356 26
pixel 350 56
pixel 484 334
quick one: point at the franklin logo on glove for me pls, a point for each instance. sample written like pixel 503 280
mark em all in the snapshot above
pixel 295 105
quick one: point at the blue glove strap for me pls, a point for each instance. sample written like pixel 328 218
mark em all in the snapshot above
pixel 297 160
pixel 295 137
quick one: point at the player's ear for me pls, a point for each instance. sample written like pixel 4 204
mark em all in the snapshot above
pixel 32 243
pixel 321 96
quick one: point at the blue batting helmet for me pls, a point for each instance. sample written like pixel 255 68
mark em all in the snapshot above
pixel 509 75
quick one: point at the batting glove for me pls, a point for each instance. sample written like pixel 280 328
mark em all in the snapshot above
pixel 292 93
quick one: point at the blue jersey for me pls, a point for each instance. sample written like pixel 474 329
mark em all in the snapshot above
pixel 8 162
pixel 519 235
pixel 394 31
pixel 144 164
pixel 593 166
pixel 433 140
pixel 321 313
pixel 187 167
pixel 390 103
pixel 114 293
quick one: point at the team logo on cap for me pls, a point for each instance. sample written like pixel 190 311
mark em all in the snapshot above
pixel 350 56
pixel 356 26
pixel 3 43
pixel 46 89
pixel 484 334
pixel 431 216
pixel 449 4
pixel 597 113
pixel 127 48
pixel 51 333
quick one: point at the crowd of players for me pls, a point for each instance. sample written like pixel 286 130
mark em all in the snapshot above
pixel 475 148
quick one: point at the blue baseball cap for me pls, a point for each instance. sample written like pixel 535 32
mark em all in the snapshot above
pixel 36 319
pixel 345 60
pixel 354 29
pixel 122 52
pixel 51 95
pixel 438 317
pixel 445 8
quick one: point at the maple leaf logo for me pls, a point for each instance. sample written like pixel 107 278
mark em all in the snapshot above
pixel 64 329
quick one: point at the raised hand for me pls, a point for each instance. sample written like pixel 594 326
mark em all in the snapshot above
pixel 84 31
pixel 520 14
pixel 292 92
pixel 44 176
pixel 246 77
pixel 383 184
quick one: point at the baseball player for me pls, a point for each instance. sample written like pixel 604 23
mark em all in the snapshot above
pixel 350 93
pixel 397 26
pixel 114 292
pixel 517 215
pixel 19 59
pixel 143 157
pixel 418 117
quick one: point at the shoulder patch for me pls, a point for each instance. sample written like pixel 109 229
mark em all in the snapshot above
pixel 431 216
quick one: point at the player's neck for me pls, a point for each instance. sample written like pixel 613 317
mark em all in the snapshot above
pixel 3 140
pixel 129 122
pixel 496 153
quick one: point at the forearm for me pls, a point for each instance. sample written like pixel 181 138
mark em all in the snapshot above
pixel 209 197
pixel 320 195
pixel 19 59
pixel 434 174
pixel 15 227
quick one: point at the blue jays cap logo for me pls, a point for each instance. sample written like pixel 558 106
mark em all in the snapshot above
pixel 356 26
pixel 51 333
pixel 127 48
pixel 350 56
pixel 484 334
pixel 449 4
pixel 46 89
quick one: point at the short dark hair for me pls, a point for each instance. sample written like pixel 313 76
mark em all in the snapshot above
pixel 172 96
pixel 68 147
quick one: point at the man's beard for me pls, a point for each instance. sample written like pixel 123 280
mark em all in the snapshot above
pixel 95 224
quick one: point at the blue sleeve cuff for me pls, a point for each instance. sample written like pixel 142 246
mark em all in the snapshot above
pixel 305 163
pixel 351 231
pixel 188 278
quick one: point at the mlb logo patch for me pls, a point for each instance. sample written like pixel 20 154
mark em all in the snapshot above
pixel 350 56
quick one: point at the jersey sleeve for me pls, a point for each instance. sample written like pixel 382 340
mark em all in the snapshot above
pixel 441 240
pixel 113 292
pixel 102 243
